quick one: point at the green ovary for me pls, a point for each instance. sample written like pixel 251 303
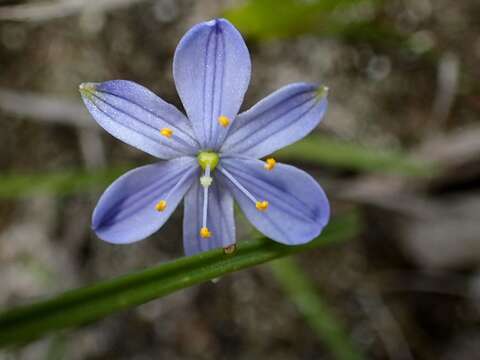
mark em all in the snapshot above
pixel 208 158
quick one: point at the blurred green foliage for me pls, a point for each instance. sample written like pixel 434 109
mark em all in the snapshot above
pixel 326 151
pixel 266 19
pixel 315 149
pixel 315 311
pixel 64 182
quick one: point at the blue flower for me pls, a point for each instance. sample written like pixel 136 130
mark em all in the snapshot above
pixel 213 153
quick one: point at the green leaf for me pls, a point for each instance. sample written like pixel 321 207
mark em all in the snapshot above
pixel 318 315
pixel 322 150
pixel 14 185
pixel 84 305
pixel 280 19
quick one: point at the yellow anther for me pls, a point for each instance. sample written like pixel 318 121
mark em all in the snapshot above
pixel 205 233
pixel 262 205
pixel 270 163
pixel 229 249
pixel 161 205
pixel 223 120
pixel 167 132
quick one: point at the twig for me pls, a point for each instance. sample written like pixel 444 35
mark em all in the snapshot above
pixel 447 87
pixel 431 281
pixel 45 108
pixel 93 151
pixel 53 110
pixel 62 8
pixel 384 323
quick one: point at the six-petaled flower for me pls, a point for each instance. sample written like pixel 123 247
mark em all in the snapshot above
pixel 212 155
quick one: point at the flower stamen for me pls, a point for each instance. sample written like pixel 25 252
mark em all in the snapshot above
pixel 171 135
pixel 270 164
pixel 206 181
pixel 260 205
pixel 161 205
pixel 205 233
pixel 167 132
pixel 223 121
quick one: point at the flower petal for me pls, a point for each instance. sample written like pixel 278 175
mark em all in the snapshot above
pixel 136 116
pixel 211 69
pixel 298 209
pixel 279 120
pixel 220 220
pixel 126 212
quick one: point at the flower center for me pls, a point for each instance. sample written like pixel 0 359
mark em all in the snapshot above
pixel 208 159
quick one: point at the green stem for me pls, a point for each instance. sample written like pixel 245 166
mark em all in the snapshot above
pixel 84 305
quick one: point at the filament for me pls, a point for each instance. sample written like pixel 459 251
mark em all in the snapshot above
pixel 259 205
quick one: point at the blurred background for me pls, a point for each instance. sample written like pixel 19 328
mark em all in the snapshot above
pixel 400 144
